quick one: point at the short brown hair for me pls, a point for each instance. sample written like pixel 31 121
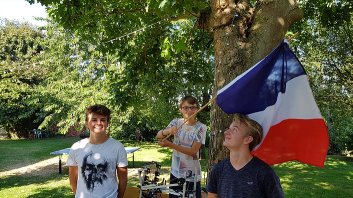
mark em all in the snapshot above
pixel 98 109
pixel 254 129
pixel 190 99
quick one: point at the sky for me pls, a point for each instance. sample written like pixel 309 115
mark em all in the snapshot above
pixel 22 11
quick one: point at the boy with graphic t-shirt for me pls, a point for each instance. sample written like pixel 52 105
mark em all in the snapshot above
pixel 96 162
pixel 189 135
pixel 242 175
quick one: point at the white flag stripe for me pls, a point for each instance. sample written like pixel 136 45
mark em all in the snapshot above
pixel 296 103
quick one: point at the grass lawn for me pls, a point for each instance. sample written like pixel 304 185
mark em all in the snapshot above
pixel 18 178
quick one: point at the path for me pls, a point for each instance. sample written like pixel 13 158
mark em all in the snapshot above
pixel 47 167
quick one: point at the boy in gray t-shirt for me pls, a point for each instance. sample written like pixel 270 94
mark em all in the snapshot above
pixel 242 175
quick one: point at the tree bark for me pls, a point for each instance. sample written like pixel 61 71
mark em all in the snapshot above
pixel 243 35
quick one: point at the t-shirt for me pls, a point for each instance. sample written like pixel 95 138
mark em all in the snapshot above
pixel 97 167
pixel 183 165
pixel 255 179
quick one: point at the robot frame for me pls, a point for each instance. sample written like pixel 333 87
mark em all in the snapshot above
pixel 150 188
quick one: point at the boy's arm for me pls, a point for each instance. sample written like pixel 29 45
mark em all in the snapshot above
pixel 122 177
pixel 73 176
pixel 165 132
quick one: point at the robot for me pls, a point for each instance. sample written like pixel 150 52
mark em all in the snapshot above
pixel 150 187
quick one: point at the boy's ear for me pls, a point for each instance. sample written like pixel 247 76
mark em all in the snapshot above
pixel 248 139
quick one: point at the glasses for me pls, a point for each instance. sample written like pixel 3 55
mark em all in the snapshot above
pixel 186 108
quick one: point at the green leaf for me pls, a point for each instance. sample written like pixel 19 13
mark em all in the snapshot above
pixel 163 4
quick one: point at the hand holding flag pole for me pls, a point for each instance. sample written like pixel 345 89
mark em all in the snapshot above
pixel 193 115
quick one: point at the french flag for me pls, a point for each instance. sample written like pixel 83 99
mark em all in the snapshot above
pixel 276 93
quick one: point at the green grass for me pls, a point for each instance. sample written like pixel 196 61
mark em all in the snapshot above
pixel 25 152
pixel 298 180
pixel 301 180
pixel 18 153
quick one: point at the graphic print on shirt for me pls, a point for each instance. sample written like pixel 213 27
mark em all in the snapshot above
pixel 94 169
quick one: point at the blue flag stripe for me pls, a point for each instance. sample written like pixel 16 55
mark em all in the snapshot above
pixel 260 86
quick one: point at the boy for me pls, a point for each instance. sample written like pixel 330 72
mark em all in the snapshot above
pixel 188 138
pixel 96 162
pixel 242 175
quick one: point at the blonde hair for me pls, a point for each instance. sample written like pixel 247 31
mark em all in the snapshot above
pixel 254 129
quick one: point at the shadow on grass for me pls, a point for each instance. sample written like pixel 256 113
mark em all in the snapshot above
pixel 167 161
pixel 39 176
pixel 61 192
pixel 334 180
pixel 22 180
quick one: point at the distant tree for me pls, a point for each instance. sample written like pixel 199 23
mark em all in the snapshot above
pixel 19 75
pixel 81 75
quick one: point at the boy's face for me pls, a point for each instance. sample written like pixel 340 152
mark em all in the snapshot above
pixel 97 123
pixel 187 109
pixel 236 135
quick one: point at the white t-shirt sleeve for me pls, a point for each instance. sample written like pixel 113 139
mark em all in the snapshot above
pixel 122 157
pixel 71 160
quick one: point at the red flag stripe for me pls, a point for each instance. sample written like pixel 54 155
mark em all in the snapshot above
pixel 295 139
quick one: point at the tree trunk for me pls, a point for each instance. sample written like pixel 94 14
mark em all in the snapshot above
pixel 243 35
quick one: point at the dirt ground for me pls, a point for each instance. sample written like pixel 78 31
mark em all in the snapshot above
pixel 48 167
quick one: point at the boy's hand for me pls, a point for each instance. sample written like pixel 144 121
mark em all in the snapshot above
pixel 164 143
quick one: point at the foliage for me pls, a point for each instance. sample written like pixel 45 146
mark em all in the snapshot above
pixel 323 42
pixel 20 74
pixel 151 83
pixel 78 75
pixel 107 20
pixel 48 79
pixel 329 13
pixel 156 60
pixel 152 74
pixel 76 79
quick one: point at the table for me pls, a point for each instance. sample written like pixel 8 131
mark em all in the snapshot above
pixel 66 151
pixel 132 150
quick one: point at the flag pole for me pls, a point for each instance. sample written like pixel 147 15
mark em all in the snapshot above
pixel 193 115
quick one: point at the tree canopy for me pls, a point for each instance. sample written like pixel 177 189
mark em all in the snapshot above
pixel 139 57
pixel 19 49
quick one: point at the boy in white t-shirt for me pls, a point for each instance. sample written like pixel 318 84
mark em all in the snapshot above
pixel 95 163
